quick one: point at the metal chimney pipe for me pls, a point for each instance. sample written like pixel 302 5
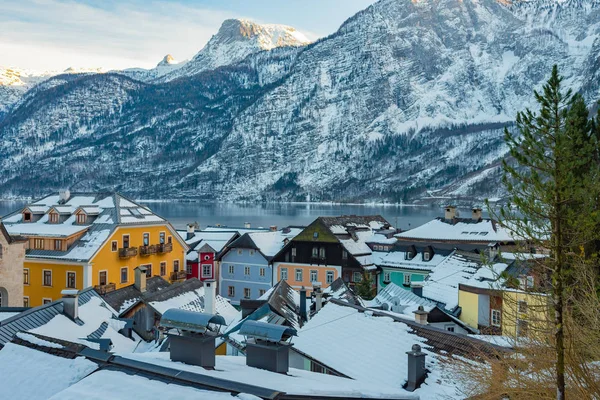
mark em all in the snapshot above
pixel 70 300
pixel 416 368
pixel 209 296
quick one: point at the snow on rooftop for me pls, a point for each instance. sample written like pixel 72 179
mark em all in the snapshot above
pixel 42 229
pixel 398 259
pixel 297 381
pixel 93 314
pixel 337 337
pixel 35 375
pixel 438 229
pixel 121 386
pixel 270 243
pixel 407 300
pixel 7 315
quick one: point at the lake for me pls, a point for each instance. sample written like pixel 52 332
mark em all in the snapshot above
pixel 279 214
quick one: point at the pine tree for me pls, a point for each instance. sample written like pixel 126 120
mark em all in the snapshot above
pixel 551 192
pixel 364 288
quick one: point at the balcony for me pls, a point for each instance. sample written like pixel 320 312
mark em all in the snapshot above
pixel 127 252
pixel 178 276
pixel 148 250
pixel 103 289
pixel 165 247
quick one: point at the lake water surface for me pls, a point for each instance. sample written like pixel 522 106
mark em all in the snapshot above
pixel 279 214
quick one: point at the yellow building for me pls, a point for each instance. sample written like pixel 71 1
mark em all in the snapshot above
pixel 526 314
pixel 78 240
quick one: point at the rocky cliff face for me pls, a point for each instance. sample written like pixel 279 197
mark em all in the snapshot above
pixel 408 99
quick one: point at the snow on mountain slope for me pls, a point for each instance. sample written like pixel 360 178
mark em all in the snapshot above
pixel 167 65
pixel 407 97
pixel 237 39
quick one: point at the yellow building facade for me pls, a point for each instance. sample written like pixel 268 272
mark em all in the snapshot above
pixel 526 314
pixel 92 241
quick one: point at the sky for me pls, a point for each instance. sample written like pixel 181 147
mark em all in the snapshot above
pixel 54 35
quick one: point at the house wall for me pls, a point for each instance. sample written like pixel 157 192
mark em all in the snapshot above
pixel 239 259
pixel 306 269
pixel 483 312
pixel 537 314
pixel 206 258
pixel 445 325
pixel 37 292
pixel 469 303
pixel 11 272
pixel 397 277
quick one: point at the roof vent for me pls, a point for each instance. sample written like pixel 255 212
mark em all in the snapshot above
pixel 195 342
pixel 267 345
pixel 416 368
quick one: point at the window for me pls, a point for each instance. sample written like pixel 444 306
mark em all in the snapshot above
pixel 239 252
pixel 188 268
pixel 314 276
pixel 386 276
pixel 38 244
pixel 146 239
pixel 344 255
pixel 293 252
pixel 522 328
pixel 57 244
pixel 27 217
pixel 124 275
pixel 81 218
pixel 71 281
pixel 284 274
pixel 231 291
pixel 25 301
pixel 47 277
pixel 206 270
pixel 426 256
pixel 298 275
pixel 262 272
pixel 175 265
pixel 525 282
pixel 114 246
pixel 246 270
pixel 496 318
pixel 356 277
pixel 522 307
pixel 315 252
pixel 322 253
pixel 53 218
pixel 231 269
pixel 246 293
pixel 161 238
pixel 163 268
pixel 406 280
pixel 170 239
pixel 329 277
pixel 449 328
pixel 251 252
pixel 316 235
pixel 148 270
pixel 261 292
pixel 126 241
pixel 46 301
pixel 102 278
pixel 26 276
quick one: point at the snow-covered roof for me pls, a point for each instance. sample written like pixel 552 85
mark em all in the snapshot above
pixel 105 212
pixel 270 243
pixel 336 336
pixel 398 259
pixel 215 240
pixel 485 230
pixel 408 302
pixel 459 268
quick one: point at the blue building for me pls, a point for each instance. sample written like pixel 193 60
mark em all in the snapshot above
pixel 246 269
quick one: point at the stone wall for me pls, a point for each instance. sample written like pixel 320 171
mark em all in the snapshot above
pixel 11 271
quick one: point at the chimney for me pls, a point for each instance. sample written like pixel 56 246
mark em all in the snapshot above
pixel 247 225
pixel 318 296
pixel 194 343
pixel 416 368
pixel 63 196
pixel 273 228
pixel 209 296
pixel 476 214
pixel 303 303
pixel 191 231
pixel 421 316
pixel 267 345
pixel 450 213
pixel 140 278
pixel 70 300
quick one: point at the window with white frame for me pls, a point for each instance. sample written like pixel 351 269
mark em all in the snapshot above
pixel 329 277
pixel 114 246
pixel 246 270
pixel 298 275
pixel 315 252
pixel 175 265
pixel 102 278
pixel 293 252
pixel 46 301
pixel 163 268
pixel 26 276
pixel 71 280
pixel 407 279
pixel 496 318
pixel 356 276
pixel 188 268
pixel 426 256
pixel 206 270
pixel 283 274
pixel 124 273
pixel 246 293
pixel 231 291
pixel 81 218
pixel 231 269
pixel 322 253
pixel 53 218
pixel 314 276
pixel 261 292
pixel 386 276
pixel 47 277
pixel 262 272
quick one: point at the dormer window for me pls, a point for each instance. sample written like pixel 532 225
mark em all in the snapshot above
pixel 27 216
pixel 81 218
pixel 53 218
pixel 426 256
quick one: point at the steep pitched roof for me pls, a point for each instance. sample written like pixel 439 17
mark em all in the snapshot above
pixel 124 298
pixel 459 230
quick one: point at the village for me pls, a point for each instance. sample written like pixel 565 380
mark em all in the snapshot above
pixel 100 290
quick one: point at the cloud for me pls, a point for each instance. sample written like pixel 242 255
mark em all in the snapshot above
pixel 55 34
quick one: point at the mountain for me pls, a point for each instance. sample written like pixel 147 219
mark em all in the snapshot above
pixel 166 66
pixel 237 39
pixel 408 99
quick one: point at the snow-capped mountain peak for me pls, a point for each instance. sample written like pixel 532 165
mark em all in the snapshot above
pixel 167 60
